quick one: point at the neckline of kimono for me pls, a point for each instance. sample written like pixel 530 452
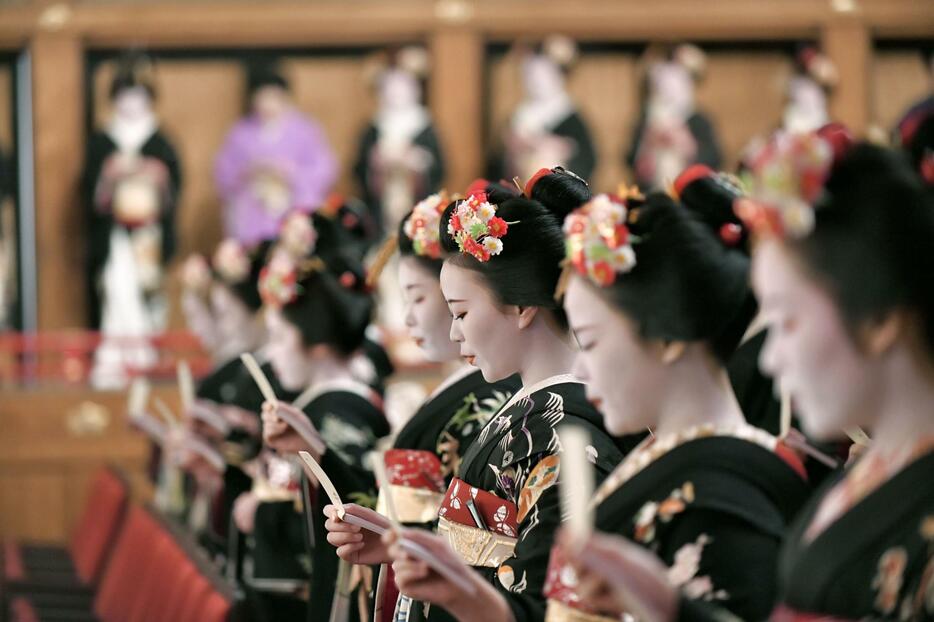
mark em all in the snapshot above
pixel 892 464
pixel 652 448
pixel 835 545
pixel 538 386
pixel 524 392
pixel 342 384
pixel 453 378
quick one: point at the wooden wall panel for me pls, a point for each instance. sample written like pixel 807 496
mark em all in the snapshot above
pixel 46 463
pixel 898 79
pixel 57 68
pixel 6 106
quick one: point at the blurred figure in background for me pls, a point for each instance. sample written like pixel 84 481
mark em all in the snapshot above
pixel 808 90
pixel 274 160
pixel 399 159
pixel 915 130
pixel 671 133
pixel 130 188
pixel 546 129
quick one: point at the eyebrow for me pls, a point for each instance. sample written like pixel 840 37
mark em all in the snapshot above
pixel 453 300
pixel 412 286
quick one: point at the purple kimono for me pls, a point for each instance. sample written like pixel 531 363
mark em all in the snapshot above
pixel 263 174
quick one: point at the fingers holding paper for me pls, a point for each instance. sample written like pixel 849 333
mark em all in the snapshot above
pixel 356 544
pixel 287 429
pixel 617 576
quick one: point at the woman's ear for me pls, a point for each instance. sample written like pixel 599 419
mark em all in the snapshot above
pixel 672 351
pixel 525 315
pixel 878 336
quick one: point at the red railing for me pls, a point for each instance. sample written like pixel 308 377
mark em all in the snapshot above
pixel 68 356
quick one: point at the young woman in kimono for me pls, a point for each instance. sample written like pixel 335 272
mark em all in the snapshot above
pixel 659 306
pixel 843 274
pixel 427 451
pixel 317 312
pixel 499 516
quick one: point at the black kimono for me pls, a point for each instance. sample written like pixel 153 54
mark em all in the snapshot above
pixel 508 480
pixel 99 217
pixel 713 504
pixel 876 561
pixel 583 159
pixel 370 179
pixel 705 137
pixel 443 427
pixel 284 555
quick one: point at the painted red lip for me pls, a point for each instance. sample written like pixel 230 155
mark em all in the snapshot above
pixel 596 402
pixel 470 359
pixel 419 341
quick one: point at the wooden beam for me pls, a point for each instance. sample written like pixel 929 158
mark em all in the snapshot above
pixel 456 102
pixel 846 40
pixel 58 104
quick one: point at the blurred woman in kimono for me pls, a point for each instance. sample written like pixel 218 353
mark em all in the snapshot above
pixel 273 161
pixel 399 158
pixel 130 187
pixel 842 269
pixel 546 128
pixel 671 133
pixel 317 313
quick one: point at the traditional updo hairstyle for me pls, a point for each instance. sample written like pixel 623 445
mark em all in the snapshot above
pixel 321 291
pixel 527 270
pixel 872 239
pixel 684 285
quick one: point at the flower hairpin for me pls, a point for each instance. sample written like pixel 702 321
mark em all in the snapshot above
pixel 422 227
pixel 598 242
pixel 476 228
pixel 297 235
pixel 786 177
pixel 231 262
pixel 196 273
pixel 280 279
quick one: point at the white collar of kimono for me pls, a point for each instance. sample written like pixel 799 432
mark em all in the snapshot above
pixel 401 124
pixel 342 384
pixel 534 117
pixel 131 134
pixel 453 378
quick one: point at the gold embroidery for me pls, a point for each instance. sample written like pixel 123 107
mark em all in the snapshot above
pixel 888 579
pixel 653 448
pixel 477 547
pixel 413 505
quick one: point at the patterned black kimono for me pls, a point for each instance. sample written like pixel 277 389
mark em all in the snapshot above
pixel 444 426
pixel 713 504
pixel 582 161
pixel 876 561
pixel 349 418
pixel 501 513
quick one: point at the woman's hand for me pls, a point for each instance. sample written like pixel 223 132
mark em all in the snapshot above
pixel 241 419
pixel 356 544
pixel 617 576
pixel 284 438
pixel 244 512
pixel 420 581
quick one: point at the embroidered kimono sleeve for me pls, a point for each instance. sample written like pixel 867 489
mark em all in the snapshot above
pixel 715 557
